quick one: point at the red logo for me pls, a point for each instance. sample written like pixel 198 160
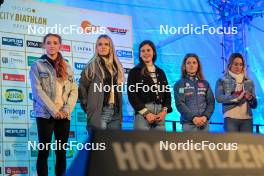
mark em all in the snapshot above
pixel 66 48
pixel 88 27
pixel 117 30
pixel 13 77
pixel 71 134
pixel 200 85
pixel 16 170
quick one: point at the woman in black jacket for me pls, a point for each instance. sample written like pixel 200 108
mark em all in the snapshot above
pixel 148 90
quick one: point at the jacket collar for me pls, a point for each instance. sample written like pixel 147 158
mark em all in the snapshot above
pixel 44 59
pixel 141 65
pixel 192 78
pixel 227 75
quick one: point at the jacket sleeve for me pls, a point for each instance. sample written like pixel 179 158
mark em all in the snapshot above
pixel 38 93
pixel 167 97
pixel 210 101
pixel 220 94
pixel 253 102
pixel 72 98
pixel 83 90
pixel 184 110
pixel 133 97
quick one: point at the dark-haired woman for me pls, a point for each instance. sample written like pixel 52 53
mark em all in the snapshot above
pixel 236 92
pixel 54 96
pixel 148 90
pixel 193 96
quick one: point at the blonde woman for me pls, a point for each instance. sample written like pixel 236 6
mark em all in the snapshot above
pixel 102 106
pixel 236 92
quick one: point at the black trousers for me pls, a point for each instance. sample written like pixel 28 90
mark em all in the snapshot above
pixel 61 130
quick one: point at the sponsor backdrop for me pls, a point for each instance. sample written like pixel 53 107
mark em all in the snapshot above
pixel 22 27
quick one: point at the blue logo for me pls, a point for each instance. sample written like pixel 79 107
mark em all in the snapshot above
pixel 79 66
pixel 12 41
pixel 123 53
pixel 30 96
pixel 13 111
pixel 15 132
pixel 32 114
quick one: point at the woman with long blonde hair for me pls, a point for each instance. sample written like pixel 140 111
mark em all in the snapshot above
pixel 98 90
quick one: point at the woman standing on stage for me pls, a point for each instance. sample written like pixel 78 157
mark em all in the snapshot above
pixel 193 96
pixel 103 107
pixel 152 105
pixel 54 96
pixel 236 92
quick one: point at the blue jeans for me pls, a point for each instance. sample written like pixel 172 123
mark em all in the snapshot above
pixel 140 123
pixel 238 125
pixel 110 119
pixel 192 128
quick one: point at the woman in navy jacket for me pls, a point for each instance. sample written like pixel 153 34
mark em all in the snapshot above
pixel 193 96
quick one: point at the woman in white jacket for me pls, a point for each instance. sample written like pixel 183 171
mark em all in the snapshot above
pixel 54 96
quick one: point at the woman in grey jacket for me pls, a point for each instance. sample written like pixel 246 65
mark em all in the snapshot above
pixel 193 96
pixel 236 92
pixel 54 96
pixel 100 87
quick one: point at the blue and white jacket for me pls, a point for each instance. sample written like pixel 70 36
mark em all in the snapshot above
pixel 223 93
pixel 43 83
pixel 193 97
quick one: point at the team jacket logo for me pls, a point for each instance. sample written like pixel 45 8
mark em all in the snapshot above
pixel 117 30
pixel 14 95
pixel 12 41
pixel 13 77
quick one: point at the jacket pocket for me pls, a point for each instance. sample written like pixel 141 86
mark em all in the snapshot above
pixel 45 80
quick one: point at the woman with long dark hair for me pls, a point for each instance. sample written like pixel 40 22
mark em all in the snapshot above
pixel 148 90
pixel 236 92
pixel 54 96
pixel 193 96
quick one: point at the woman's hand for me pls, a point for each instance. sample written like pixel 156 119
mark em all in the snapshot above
pixel 161 116
pixel 199 121
pixel 151 117
pixel 61 115
pixel 58 115
pixel 248 96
